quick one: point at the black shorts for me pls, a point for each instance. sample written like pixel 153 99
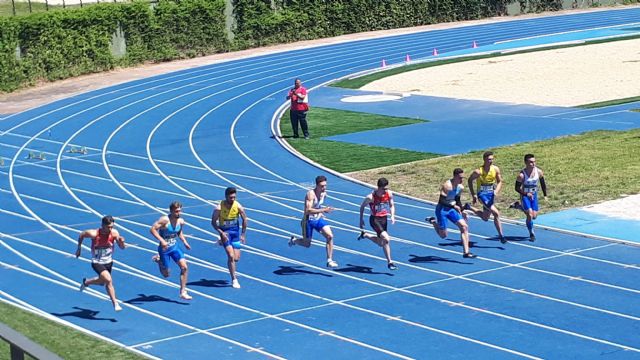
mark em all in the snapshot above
pixel 378 224
pixel 99 268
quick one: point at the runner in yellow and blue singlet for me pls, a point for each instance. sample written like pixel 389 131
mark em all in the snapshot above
pixel 226 221
pixel 488 181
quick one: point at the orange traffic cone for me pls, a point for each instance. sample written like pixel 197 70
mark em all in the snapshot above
pixel 474 45
pixel 407 59
pixel 435 52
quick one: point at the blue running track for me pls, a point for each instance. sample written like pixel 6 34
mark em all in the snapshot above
pixel 189 134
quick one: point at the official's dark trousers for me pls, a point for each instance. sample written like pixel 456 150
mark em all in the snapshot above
pixel 299 117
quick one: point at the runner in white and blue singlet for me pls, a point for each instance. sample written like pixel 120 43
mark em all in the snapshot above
pixel 527 186
pixel 313 219
pixel 167 230
pixel 449 208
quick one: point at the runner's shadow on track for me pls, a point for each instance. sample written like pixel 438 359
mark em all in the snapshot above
pixel 297 270
pixel 511 238
pixel 86 314
pixel 434 260
pixel 472 244
pixel 210 283
pixel 361 270
pixel 142 298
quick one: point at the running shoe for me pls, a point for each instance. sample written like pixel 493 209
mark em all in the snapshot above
pixel 503 240
pixel 392 266
pixel 361 236
pixel 83 285
pixel 185 295
pixel 469 255
pixel 532 237
pixel 292 241
pixel 431 220
pixel 235 284
pixel 466 206
pixel 117 307
pixel 515 205
pixel 155 258
pixel 332 264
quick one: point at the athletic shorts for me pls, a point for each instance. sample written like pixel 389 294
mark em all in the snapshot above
pixel 233 238
pixel 446 213
pixel 308 225
pixel 486 198
pixel 530 203
pixel 99 268
pixel 378 224
pixel 173 252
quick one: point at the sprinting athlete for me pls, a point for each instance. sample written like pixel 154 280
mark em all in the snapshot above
pixel 313 219
pixel 489 182
pixel 225 220
pixel 167 230
pixel 102 241
pixel 527 186
pixel 381 205
pixel 450 208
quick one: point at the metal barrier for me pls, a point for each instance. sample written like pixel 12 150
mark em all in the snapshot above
pixel 20 345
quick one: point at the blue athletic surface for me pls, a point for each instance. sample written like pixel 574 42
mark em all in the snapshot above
pixel 474 124
pixel 187 135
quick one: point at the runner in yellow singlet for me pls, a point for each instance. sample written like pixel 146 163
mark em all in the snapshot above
pixel 225 220
pixel 488 181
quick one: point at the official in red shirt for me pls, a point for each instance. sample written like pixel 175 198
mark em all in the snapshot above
pixel 299 108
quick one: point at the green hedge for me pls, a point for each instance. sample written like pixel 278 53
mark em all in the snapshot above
pixel 64 43
pixel 264 22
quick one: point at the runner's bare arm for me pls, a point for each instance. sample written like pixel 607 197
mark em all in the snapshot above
pixel 160 223
pixel 84 234
pixel 243 214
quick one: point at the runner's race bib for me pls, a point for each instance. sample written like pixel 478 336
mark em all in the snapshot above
pixel 486 188
pixel 381 207
pixel 171 239
pixel 103 255
pixel 230 223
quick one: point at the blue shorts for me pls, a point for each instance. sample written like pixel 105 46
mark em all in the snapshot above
pixel 444 213
pixel 530 203
pixel 308 225
pixel 486 198
pixel 173 252
pixel 233 238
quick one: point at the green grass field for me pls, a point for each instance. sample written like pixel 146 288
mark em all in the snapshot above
pixel 345 157
pixel 61 340
pixel 579 170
